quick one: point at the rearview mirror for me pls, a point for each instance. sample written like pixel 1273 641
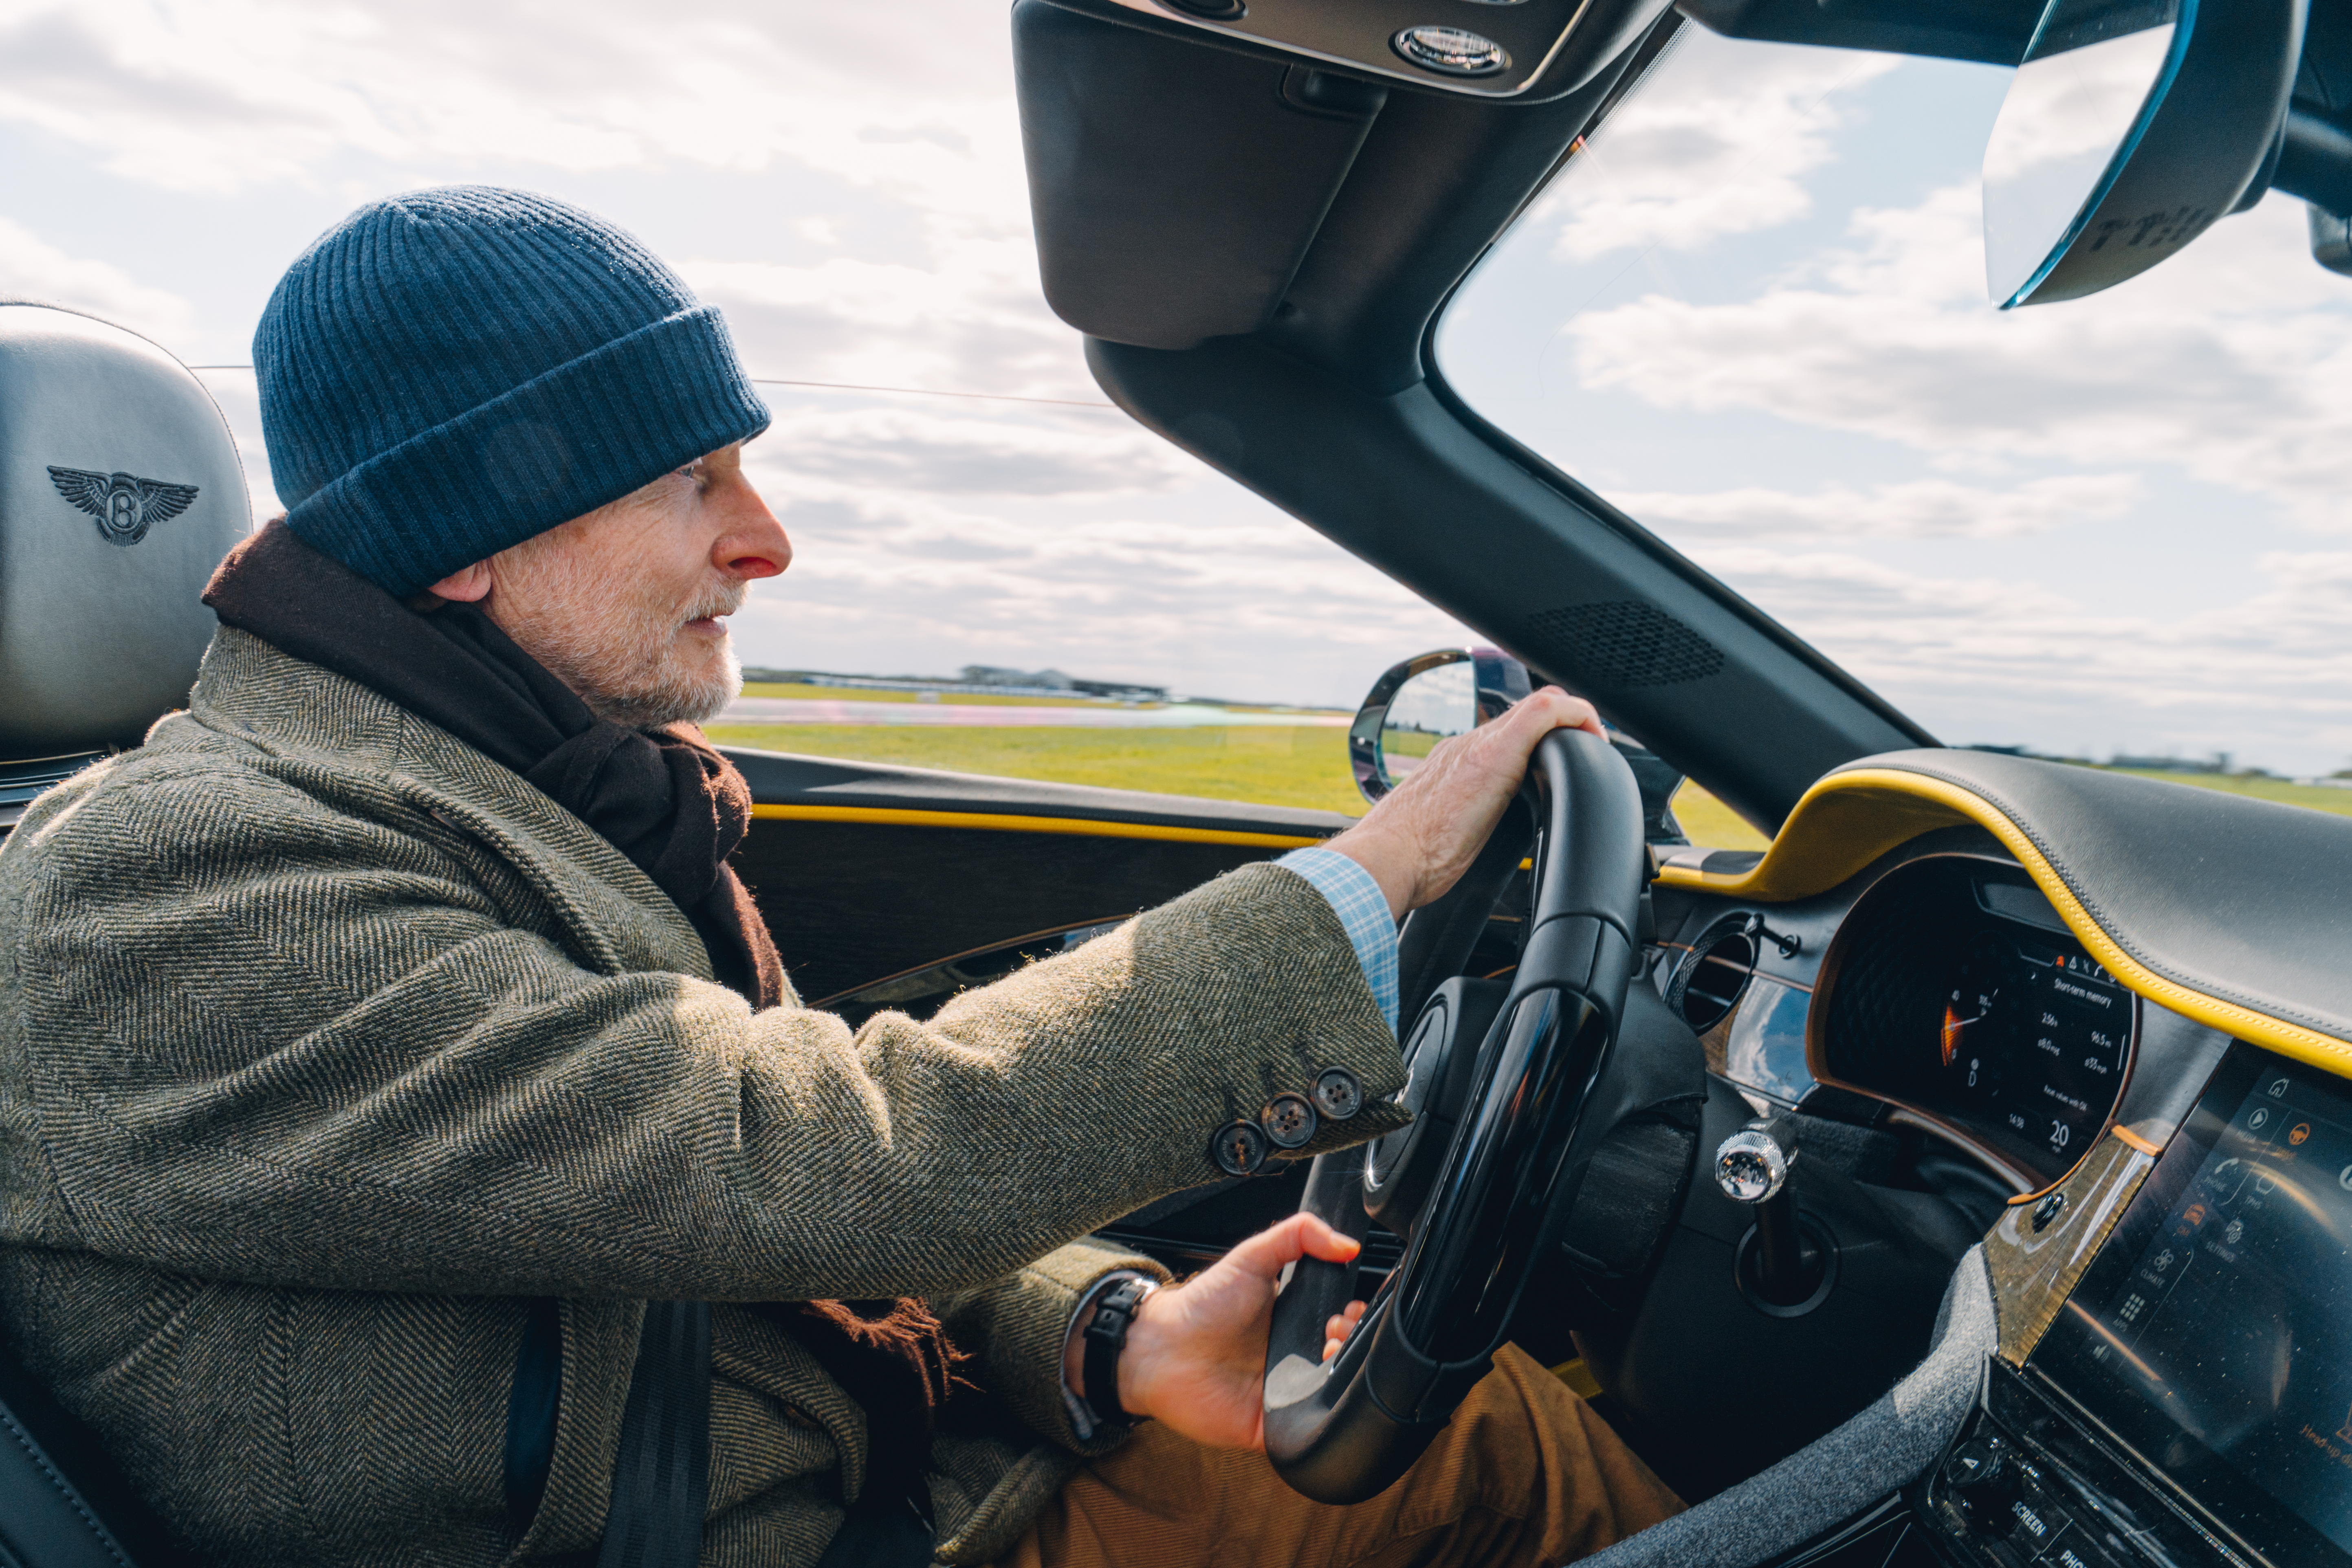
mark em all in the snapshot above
pixel 2131 127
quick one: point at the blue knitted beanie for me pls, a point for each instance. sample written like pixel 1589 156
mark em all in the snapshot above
pixel 451 372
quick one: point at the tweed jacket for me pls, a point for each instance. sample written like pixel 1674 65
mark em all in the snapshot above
pixel 326 1043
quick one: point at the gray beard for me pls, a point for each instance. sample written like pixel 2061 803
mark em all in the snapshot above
pixel 672 701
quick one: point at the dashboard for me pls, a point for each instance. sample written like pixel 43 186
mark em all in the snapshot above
pixel 2212 1336
pixel 2173 1271
pixel 1949 992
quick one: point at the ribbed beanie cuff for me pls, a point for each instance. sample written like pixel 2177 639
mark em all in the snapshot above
pixel 586 432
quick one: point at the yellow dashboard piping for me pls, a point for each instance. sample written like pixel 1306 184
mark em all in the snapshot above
pixel 1848 820
pixel 987 822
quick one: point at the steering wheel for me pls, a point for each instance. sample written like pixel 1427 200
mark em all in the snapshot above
pixel 1341 1431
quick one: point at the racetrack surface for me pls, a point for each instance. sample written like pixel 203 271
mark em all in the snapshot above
pixel 1177 716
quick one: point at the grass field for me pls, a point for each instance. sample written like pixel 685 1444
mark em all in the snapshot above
pixel 877 694
pixel 2317 797
pixel 1274 764
pixel 973 698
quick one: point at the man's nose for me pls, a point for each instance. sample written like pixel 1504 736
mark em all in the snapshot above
pixel 753 544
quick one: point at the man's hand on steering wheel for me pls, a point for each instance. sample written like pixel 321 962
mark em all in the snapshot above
pixel 1422 835
pixel 1195 1358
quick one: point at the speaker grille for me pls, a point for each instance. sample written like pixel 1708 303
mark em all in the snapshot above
pixel 1622 643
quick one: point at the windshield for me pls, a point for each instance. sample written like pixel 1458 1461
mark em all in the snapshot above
pixel 958 491
pixel 1751 312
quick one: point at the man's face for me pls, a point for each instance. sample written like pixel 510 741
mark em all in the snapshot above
pixel 626 604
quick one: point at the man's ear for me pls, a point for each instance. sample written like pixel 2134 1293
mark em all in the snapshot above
pixel 467 586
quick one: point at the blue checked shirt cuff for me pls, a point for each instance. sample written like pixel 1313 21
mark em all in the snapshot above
pixel 1363 911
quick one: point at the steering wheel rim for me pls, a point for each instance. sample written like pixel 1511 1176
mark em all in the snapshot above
pixel 1342 1431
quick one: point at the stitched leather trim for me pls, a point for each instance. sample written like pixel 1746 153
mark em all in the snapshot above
pixel 1851 818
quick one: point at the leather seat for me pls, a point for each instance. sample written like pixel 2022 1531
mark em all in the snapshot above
pixel 120 491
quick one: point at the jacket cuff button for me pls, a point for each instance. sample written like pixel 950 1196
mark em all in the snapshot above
pixel 1288 1120
pixel 1338 1094
pixel 1238 1148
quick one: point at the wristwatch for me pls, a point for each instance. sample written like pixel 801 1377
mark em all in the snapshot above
pixel 1106 1337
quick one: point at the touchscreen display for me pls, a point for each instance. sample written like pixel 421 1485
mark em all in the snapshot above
pixel 2214 1332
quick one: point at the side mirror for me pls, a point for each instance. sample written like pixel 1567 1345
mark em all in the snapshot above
pixel 1420 702
pixel 2131 127
pixel 1453 690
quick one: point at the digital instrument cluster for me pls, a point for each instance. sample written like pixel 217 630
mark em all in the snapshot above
pixel 2033 1037
pixel 1954 989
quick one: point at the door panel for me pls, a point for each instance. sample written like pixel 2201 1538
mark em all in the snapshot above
pixel 865 871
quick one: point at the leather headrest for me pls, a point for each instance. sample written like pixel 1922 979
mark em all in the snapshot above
pixel 120 492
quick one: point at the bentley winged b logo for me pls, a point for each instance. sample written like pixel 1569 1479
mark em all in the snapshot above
pixel 125 505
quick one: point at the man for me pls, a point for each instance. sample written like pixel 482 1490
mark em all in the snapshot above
pixel 392 1065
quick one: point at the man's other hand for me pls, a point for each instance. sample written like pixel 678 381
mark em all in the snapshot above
pixel 1195 1356
pixel 1424 833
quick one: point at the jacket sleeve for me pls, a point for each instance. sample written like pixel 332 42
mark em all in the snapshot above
pixel 263 1038
pixel 1016 1328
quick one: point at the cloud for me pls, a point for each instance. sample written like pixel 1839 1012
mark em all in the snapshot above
pixel 238 96
pixel 1915 508
pixel 2232 360
pixel 221 95
pixel 1195 581
pixel 875 231
pixel 974 454
pixel 1992 659
pixel 1724 153
pixel 32 269
pixel 967 317
pixel 239 400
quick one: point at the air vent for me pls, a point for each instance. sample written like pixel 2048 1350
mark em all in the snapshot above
pixel 1621 643
pixel 1708 982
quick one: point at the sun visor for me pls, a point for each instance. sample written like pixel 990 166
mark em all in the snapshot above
pixel 1175 187
pixel 120 491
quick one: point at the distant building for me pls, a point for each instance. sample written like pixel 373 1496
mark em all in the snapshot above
pixel 1054 680
pixel 1119 691
pixel 1035 680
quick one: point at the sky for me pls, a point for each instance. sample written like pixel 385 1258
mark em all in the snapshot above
pixel 1751 313
pixel 162 163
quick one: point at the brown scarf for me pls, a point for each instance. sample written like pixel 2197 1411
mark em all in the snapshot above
pixel 664 798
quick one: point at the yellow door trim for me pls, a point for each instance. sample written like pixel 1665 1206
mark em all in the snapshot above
pixel 991 821
pixel 1848 820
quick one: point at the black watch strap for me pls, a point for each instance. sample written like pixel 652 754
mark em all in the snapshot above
pixel 1106 1338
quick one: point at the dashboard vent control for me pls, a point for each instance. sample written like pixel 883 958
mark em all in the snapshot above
pixel 1708 982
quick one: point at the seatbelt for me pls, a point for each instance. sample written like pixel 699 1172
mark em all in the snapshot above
pixel 661 1481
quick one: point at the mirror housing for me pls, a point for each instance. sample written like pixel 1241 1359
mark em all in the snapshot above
pixel 1497 680
pixel 2131 128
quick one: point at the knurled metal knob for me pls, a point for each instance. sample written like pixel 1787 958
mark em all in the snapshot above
pixel 1751 1166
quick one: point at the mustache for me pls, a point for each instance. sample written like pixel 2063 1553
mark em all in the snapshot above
pixel 714 602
